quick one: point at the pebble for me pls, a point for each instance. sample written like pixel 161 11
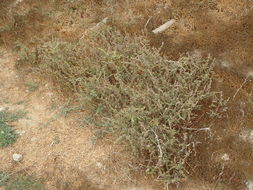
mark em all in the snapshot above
pixel 19 1
pixel 33 139
pixel 99 165
pixel 249 185
pixel 3 108
pixel 20 132
pixel 17 157
pixel 247 135
pixel 225 157
pixel 50 94
pixel 250 73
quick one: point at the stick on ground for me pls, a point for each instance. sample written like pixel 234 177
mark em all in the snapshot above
pixel 163 27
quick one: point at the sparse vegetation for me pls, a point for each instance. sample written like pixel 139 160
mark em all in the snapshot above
pixel 63 112
pixel 11 116
pixel 132 91
pixel 32 86
pixel 25 183
pixel 4 177
pixel 7 133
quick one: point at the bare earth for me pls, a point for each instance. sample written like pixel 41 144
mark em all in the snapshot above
pixel 60 151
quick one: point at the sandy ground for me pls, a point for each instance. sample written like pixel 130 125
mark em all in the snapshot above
pixel 62 152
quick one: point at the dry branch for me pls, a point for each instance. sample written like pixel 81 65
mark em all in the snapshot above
pixel 163 27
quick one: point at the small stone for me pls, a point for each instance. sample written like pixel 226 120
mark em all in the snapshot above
pixel 20 132
pixel 3 108
pixel 226 64
pixel 99 165
pixel 50 94
pixel 250 73
pixel 247 135
pixel 251 134
pixel 18 1
pixel 225 157
pixel 17 157
pixel 33 139
pixel 249 185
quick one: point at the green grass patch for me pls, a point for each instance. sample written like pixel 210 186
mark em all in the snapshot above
pixel 25 183
pixel 4 178
pixel 133 92
pixel 11 116
pixel 32 86
pixel 7 133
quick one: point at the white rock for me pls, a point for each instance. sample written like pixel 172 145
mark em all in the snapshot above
pixel 17 157
pixel 3 108
pixel 250 73
pixel 33 139
pixel 249 185
pixel 20 132
pixel 50 93
pixel 99 165
pixel 225 64
pixel 225 157
pixel 19 1
pixel 247 135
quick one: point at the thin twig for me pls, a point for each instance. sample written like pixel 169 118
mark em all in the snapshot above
pixel 219 176
pixel 148 22
pixel 240 87
pixel 158 144
pixel 199 129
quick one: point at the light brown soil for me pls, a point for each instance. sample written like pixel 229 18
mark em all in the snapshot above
pixel 222 28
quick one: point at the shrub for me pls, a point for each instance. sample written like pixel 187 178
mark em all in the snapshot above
pixel 132 91
pixel 7 133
